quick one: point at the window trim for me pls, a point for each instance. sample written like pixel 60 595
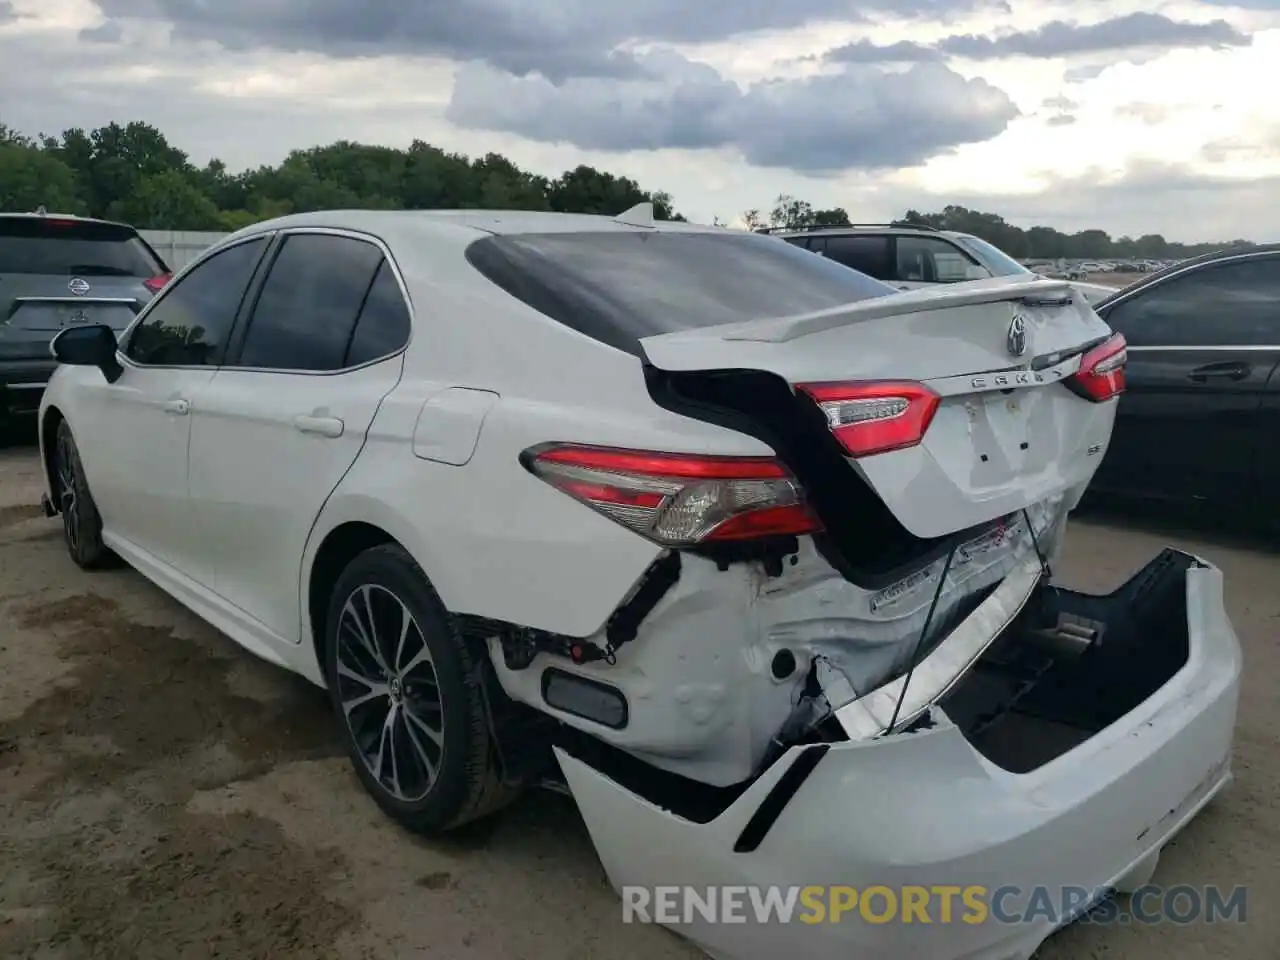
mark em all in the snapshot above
pixel 254 292
pixel 1127 294
pixel 240 325
pixel 126 336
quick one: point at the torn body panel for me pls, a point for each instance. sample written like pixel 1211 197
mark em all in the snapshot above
pixel 931 807
pixel 724 664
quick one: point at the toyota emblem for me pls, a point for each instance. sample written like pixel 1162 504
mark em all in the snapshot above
pixel 1016 340
pixel 78 286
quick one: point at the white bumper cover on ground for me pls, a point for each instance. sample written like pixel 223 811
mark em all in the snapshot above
pixel 927 809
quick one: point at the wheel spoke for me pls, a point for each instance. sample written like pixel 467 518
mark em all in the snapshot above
pixel 415 721
pixel 419 751
pixel 368 640
pixel 406 622
pixel 421 658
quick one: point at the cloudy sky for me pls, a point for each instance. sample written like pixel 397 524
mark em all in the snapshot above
pixel 1135 117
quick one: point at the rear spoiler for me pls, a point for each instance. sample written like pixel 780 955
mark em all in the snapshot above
pixel 941 297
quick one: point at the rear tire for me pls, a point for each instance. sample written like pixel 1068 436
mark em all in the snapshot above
pixel 408 696
pixel 81 522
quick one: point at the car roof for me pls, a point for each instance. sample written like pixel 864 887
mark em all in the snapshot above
pixel 906 229
pixel 500 222
pixel 27 215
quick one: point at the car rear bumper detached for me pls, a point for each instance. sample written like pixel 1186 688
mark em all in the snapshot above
pixel 926 809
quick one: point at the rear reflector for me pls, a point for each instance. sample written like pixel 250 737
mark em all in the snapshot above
pixel 1101 374
pixel 678 500
pixel 874 416
pixel 156 284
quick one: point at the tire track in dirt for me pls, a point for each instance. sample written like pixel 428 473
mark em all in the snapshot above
pixel 101 856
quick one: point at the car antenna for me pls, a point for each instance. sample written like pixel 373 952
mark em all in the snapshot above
pixel 641 215
pixel 41 211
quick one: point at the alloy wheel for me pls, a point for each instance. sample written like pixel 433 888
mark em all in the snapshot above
pixel 389 692
pixel 68 505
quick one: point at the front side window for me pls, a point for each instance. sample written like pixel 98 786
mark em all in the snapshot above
pixel 997 262
pixel 190 323
pixel 928 260
pixel 306 313
pixel 1236 303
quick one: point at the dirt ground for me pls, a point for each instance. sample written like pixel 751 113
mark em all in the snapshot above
pixel 165 795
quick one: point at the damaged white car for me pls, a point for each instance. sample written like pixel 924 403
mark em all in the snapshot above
pixel 748 552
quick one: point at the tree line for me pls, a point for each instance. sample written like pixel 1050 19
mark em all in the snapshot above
pixel 132 173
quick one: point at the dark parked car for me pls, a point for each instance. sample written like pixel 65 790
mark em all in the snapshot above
pixel 1200 417
pixel 57 272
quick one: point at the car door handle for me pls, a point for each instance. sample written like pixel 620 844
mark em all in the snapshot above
pixel 1220 371
pixel 178 407
pixel 330 427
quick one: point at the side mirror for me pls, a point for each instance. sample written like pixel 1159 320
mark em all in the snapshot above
pixel 89 346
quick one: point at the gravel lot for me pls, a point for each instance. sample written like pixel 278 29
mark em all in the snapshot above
pixel 166 795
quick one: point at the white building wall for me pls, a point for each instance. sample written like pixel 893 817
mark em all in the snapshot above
pixel 179 247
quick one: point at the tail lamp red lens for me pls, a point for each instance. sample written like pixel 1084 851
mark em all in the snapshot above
pixel 679 500
pixel 1101 373
pixel 873 417
pixel 157 283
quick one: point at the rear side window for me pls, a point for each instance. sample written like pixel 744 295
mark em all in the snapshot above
pixel 383 327
pixel 190 323
pixel 306 313
pixel 58 247
pixel 869 255
pixel 620 287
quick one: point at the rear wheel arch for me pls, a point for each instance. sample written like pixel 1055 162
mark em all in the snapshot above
pixel 340 546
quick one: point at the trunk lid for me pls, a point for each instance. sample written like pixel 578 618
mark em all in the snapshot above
pixel 1006 433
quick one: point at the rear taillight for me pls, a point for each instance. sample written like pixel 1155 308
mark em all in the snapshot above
pixel 1101 374
pixel 678 500
pixel 874 416
pixel 156 284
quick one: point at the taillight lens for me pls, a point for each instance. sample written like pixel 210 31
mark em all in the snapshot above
pixel 156 284
pixel 875 416
pixel 679 500
pixel 1101 374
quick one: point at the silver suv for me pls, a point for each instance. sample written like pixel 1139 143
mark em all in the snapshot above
pixel 911 255
pixel 61 271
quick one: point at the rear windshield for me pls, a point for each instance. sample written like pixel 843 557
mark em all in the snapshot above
pixel 70 247
pixel 620 287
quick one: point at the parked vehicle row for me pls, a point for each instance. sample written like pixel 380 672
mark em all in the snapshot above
pixel 747 551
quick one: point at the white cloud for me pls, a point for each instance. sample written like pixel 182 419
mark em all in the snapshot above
pixel 1204 113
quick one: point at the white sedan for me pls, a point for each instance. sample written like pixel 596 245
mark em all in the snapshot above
pixel 746 551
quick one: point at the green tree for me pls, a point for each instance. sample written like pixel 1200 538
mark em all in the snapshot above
pixel 167 201
pixel 31 177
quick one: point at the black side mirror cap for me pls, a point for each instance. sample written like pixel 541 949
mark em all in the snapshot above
pixel 93 345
